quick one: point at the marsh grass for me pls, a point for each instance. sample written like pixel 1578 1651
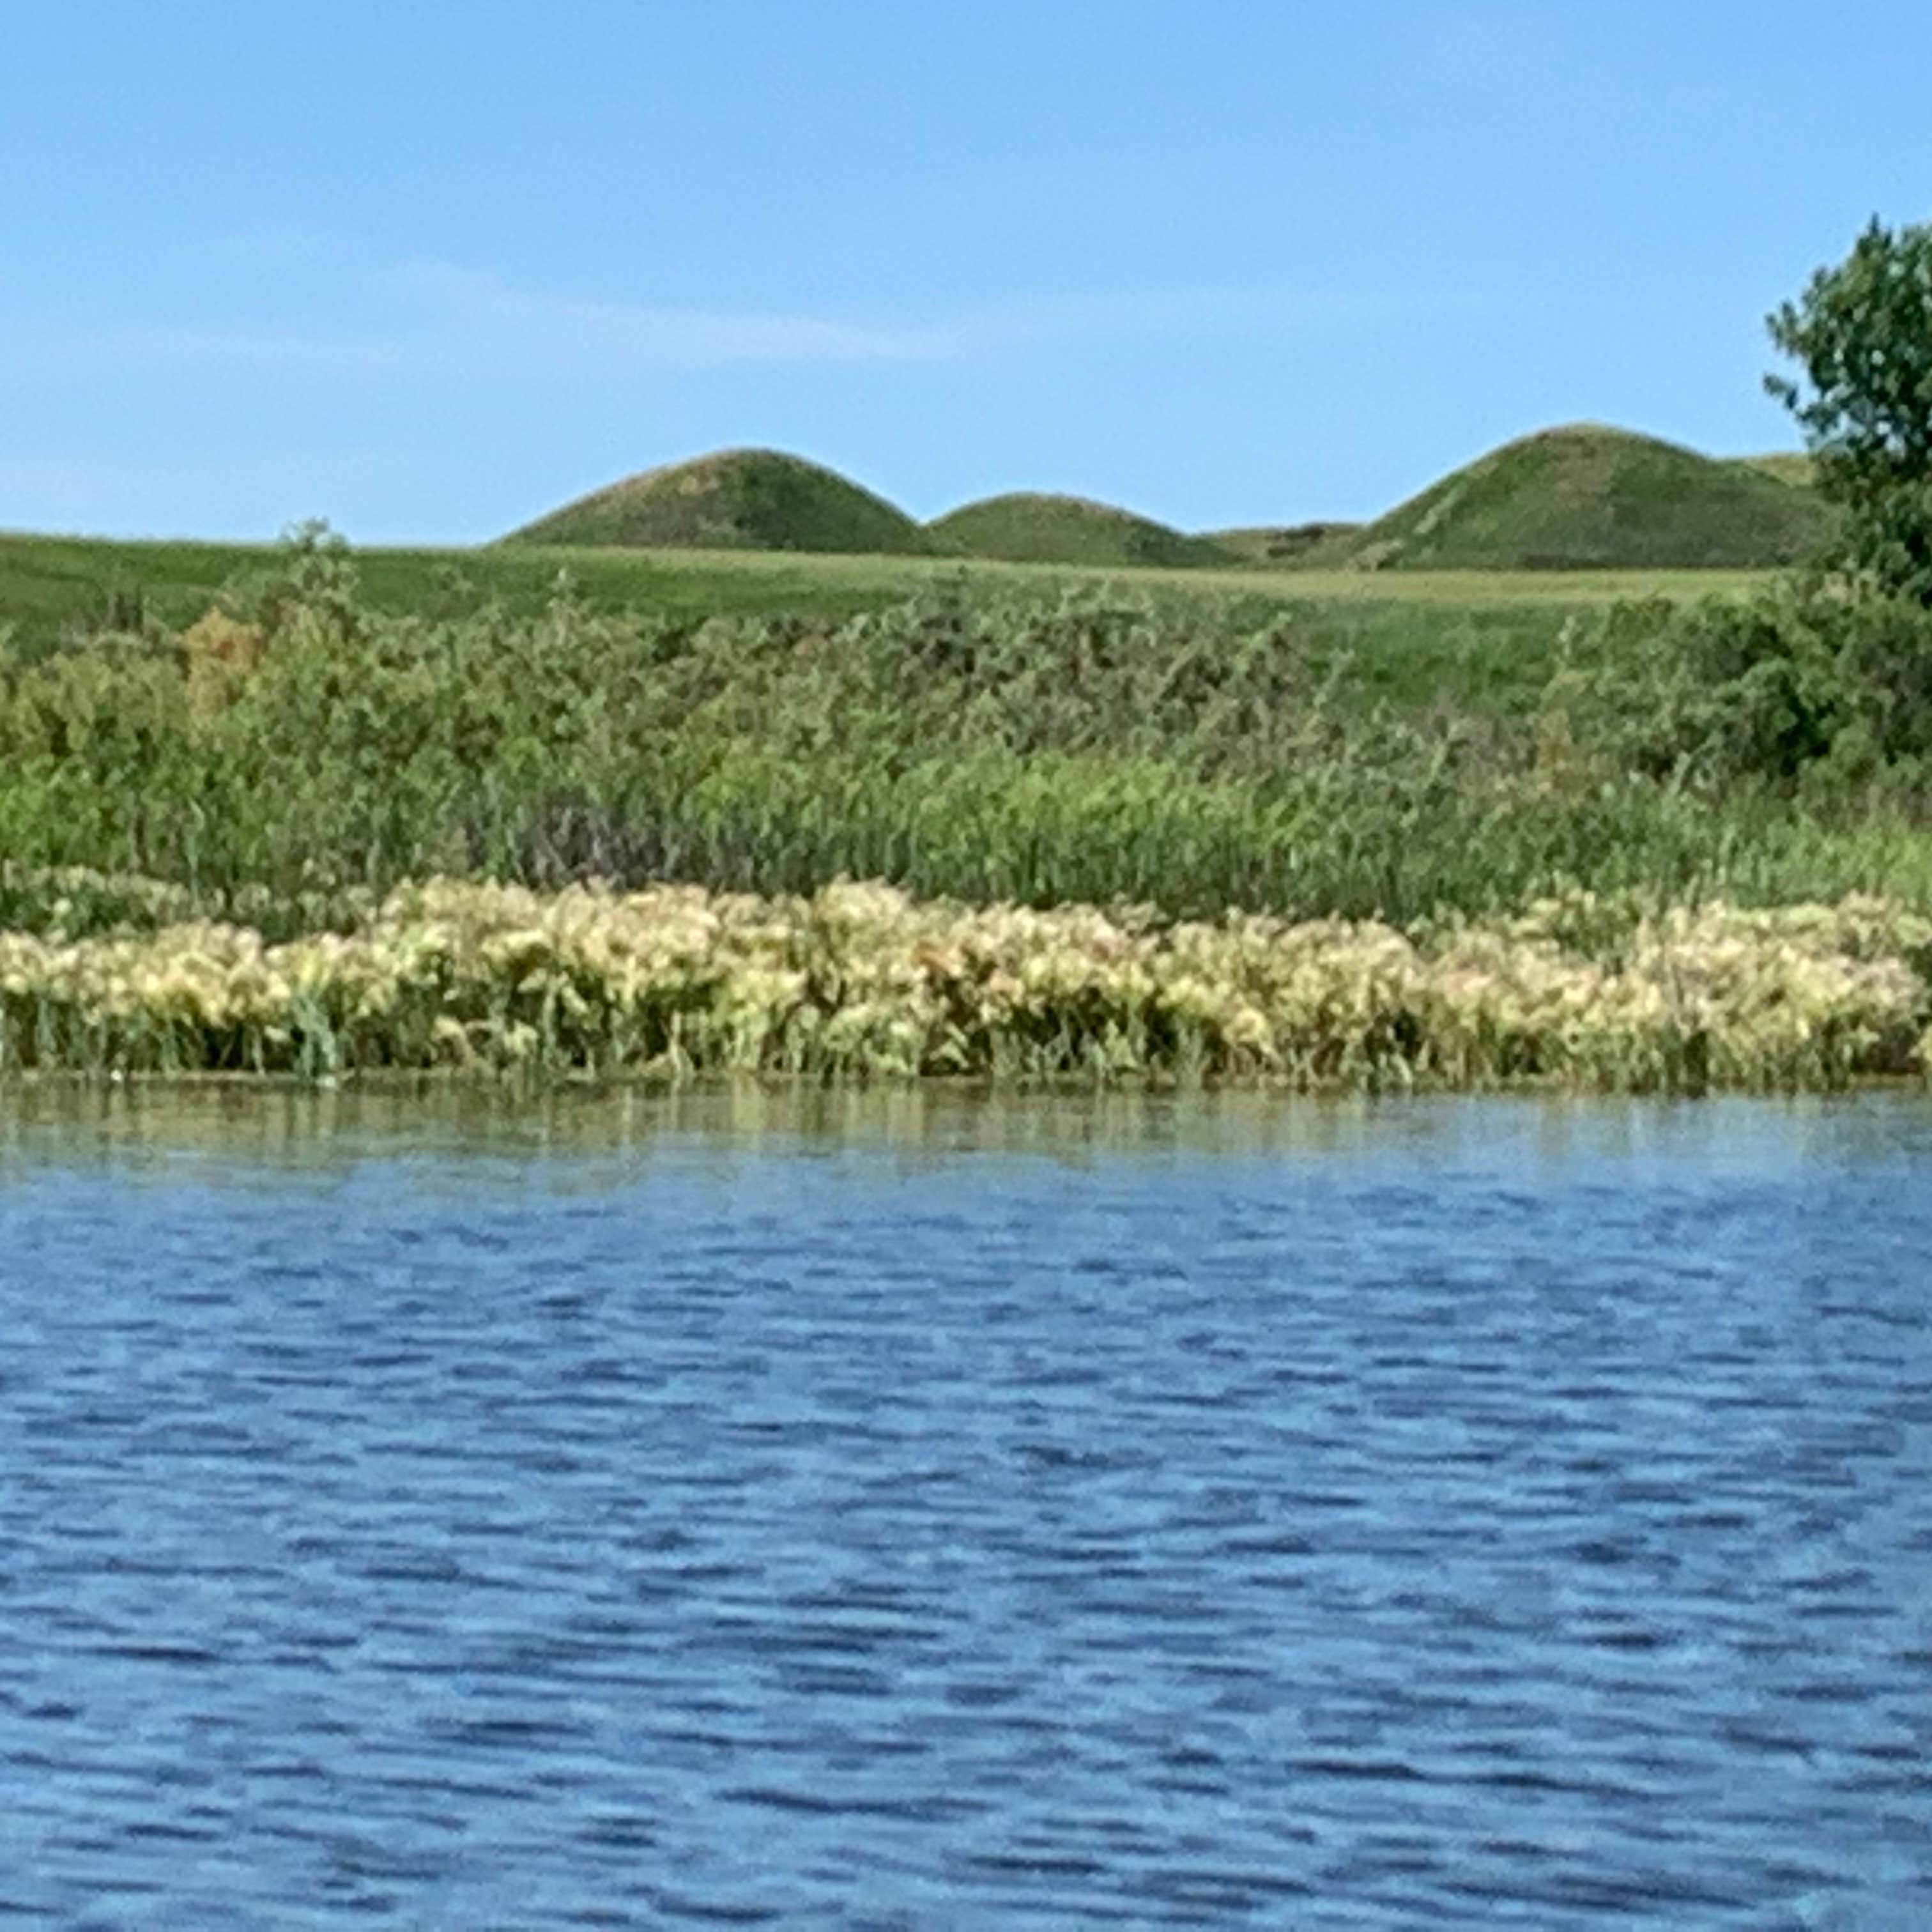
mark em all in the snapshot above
pixel 861 981
pixel 636 833
pixel 294 755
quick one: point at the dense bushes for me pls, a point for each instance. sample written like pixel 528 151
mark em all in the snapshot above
pixel 1814 689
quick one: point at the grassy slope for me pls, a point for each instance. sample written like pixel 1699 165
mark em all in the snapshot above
pixel 1586 497
pixel 1789 465
pixel 735 500
pixel 50 584
pixel 1027 527
pixel 1287 546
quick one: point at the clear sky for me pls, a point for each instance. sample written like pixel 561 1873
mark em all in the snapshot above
pixel 429 270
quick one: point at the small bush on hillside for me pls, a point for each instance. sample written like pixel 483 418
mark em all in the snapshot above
pixel 218 652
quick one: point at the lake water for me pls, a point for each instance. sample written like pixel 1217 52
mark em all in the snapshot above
pixel 917 1511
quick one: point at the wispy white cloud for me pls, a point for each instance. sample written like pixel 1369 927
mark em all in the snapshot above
pixel 436 318
pixel 37 352
pixel 459 306
pixel 463 308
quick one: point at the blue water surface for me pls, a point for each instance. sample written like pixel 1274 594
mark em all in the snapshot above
pixel 904 1510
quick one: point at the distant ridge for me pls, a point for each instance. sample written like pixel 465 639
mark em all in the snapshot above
pixel 1588 497
pixel 733 499
pixel 1287 546
pixel 1580 497
pixel 1032 526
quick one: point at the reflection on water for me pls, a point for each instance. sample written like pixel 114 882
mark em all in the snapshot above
pixel 913 1506
pixel 249 1121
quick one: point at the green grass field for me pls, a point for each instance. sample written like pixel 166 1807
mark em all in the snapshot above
pixel 1485 640
pixel 51 586
pixel 55 587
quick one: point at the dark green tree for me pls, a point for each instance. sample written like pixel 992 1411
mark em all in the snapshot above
pixel 1861 334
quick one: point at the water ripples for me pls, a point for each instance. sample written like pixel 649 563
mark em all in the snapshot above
pixel 1434 1525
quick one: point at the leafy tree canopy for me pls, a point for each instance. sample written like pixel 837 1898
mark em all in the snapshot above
pixel 1861 334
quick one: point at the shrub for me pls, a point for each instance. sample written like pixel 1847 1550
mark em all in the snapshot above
pixel 1766 689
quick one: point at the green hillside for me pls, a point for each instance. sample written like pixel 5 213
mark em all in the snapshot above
pixel 751 532
pixel 1287 546
pixel 734 499
pixel 1788 466
pixel 1586 497
pixel 1028 527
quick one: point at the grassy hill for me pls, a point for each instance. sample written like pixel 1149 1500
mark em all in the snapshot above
pixel 734 499
pixel 1586 497
pixel 51 587
pixel 750 533
pixel 1789 465
pixel 1287 546
pixel 1030 527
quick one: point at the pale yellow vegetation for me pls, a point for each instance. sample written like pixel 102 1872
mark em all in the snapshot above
pixel 860 981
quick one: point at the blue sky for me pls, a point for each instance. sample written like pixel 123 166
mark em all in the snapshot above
pixel 428 271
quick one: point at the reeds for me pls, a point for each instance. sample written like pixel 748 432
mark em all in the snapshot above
pixel 985 748
pixel 859 982
pixel 209 842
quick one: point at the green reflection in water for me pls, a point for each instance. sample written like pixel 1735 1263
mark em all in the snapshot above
pixel 251 1123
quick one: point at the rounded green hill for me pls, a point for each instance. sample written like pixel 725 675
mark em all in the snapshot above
pixel 735 499
pixel 1029 526
pixel 1589 498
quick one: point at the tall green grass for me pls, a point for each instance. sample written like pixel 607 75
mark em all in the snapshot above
pixel 968 743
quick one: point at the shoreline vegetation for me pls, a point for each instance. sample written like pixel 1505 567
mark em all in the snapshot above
pixel 1208 823
pixel 861 981
pixel 823 821
pixel 1023 742
pixel 1538 846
